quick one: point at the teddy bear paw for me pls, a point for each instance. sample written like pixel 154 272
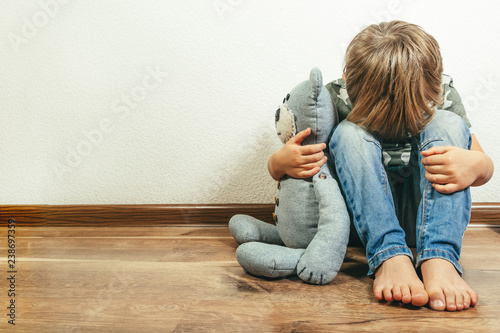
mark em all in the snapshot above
pixel 315 274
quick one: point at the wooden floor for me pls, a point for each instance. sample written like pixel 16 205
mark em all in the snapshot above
pixel 186 279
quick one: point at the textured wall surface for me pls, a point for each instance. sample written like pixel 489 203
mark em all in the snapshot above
pixel 172 102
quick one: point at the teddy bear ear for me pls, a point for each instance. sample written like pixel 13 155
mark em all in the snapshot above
pixel 316 79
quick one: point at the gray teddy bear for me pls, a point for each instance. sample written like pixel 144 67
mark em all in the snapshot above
pixel 312 224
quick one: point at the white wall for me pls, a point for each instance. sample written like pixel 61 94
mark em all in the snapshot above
pixel 173 101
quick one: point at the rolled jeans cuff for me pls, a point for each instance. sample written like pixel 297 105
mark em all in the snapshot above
pixel 382 256
pixel 438 254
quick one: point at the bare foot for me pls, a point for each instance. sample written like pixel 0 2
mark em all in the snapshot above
pixel 396 280
pixel 445 287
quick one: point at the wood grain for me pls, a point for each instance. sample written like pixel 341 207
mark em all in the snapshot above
pixel 160 215
pixel 128 215
pixel 186 279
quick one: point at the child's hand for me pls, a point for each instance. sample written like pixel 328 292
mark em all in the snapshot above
pixel 295 160
pixel 451 169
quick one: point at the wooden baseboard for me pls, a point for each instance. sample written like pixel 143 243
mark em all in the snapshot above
pixel 487 213
pixel 128 215
pixel 161 215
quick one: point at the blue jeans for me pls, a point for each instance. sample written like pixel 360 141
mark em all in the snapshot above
pixel 441 219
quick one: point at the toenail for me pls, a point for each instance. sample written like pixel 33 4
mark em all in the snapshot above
pixel 438 304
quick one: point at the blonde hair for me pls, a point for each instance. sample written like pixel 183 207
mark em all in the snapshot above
pixel 393 78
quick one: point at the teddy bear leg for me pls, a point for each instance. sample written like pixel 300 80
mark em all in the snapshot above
pixel 268 260
pixel 319 269
pixel 246 229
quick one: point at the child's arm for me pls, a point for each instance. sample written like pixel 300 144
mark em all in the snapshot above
pixel 295 160
pixel 452 169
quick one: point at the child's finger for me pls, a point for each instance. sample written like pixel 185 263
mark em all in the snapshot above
pixel 308 173
pixel 313 149
pixel 437 178
pixel 435 169
pixel 432 160
pixel 299 137
pixel 445 188
pixel 435 150
pixel 314 158
pixel 322 161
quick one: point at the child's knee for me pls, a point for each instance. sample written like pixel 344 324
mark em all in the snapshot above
pixel 448 120
pixel 349 137
pixel 347 134
pixel 448 128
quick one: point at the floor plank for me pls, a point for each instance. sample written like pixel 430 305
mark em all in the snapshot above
pixel 186 279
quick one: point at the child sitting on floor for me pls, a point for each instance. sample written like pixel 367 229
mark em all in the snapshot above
pixel 405 159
